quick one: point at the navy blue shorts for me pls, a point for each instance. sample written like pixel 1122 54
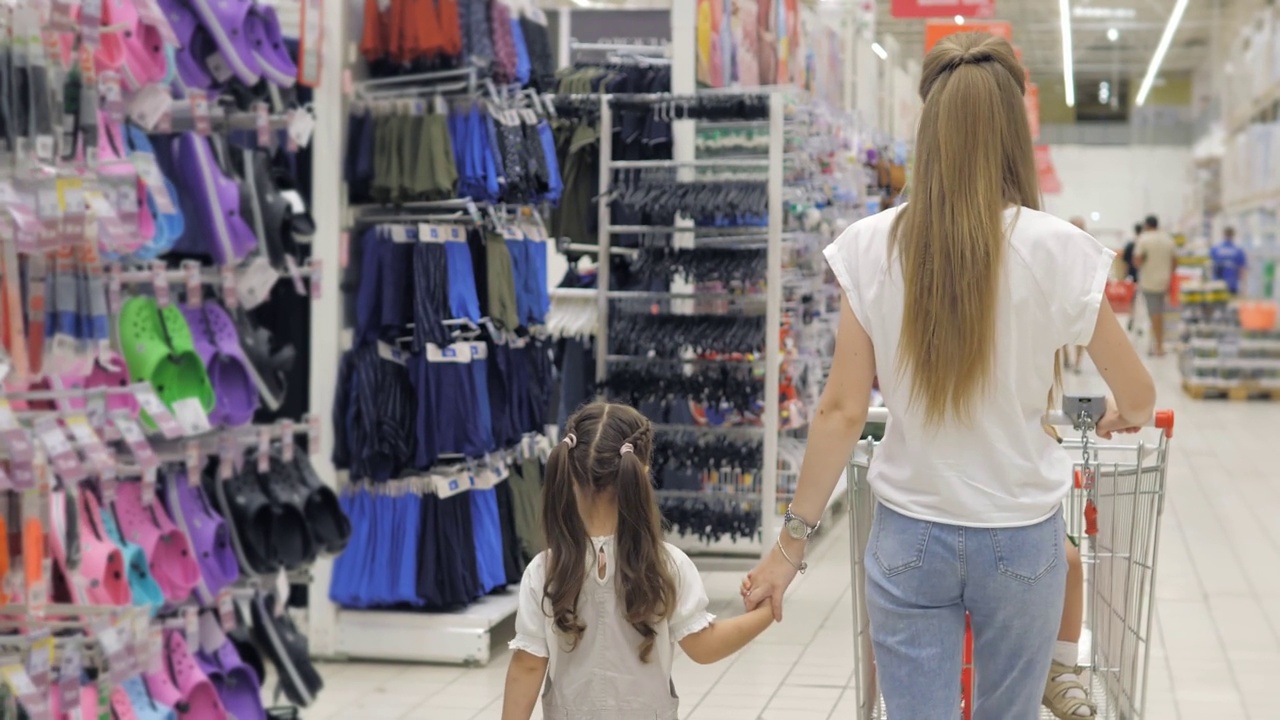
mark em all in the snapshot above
pixel 464 301
pixel 488 539
pixel 460 399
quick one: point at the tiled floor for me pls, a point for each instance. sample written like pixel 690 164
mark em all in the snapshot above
pixel 1216 645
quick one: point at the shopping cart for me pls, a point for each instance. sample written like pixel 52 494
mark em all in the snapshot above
pixel 1113 511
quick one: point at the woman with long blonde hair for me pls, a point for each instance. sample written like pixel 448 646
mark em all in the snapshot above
pixel 959 300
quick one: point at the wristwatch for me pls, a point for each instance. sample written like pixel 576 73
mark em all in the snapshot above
pixel 796 527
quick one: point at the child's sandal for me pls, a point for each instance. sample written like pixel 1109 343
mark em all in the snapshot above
pixel 1056 697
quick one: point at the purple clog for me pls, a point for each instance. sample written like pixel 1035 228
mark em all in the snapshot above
pixel 215 198
pixel 208 534
pixel 196 45
pixel 225 22
pixel 263 27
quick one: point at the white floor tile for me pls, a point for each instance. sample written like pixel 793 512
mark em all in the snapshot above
pixel 1215 641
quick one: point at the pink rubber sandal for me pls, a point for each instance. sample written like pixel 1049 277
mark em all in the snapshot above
pixel 101 564
pixel 198 692
pixel 173 564
pixel 144 61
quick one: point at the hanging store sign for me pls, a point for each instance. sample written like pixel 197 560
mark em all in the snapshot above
pixel 943 8
pixel 935 31
pixel 1049 182
pixel 1032 100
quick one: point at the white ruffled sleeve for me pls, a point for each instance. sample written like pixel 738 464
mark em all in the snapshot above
pixel 690 614
pixel 531 621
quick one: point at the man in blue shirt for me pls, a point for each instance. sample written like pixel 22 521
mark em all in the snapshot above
pixel 1229 261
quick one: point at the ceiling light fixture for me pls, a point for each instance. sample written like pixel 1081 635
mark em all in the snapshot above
pixel 1068 71
pixel 959 19
pixel 1170 29
pixel 1113 34
pixel 879 50
pixel 1105 13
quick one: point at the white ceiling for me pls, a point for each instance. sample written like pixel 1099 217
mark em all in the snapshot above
pixel 1037 33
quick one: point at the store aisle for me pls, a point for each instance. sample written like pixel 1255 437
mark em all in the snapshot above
pixel 1215 654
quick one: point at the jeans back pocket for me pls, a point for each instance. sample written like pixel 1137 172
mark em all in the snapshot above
pixel 900 541
pixel 1027 553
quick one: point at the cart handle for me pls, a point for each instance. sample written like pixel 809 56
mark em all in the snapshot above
pixel 1163 419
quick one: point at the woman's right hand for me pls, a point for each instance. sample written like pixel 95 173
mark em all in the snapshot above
pixel 1111 423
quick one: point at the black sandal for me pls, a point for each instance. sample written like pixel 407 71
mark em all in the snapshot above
pixel 250 518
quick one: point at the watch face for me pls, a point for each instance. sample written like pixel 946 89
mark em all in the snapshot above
pixel 797 529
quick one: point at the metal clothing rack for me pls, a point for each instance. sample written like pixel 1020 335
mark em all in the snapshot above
pixel 687 234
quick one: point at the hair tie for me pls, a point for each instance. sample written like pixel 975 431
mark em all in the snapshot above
pixel 571 440
pixel 626 448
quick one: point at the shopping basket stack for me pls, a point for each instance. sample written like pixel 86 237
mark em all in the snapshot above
pixel 1113 511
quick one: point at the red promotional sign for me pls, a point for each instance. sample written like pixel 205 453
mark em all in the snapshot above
pixel 1032 101
pixel 943 8
pixel 935 31
pixel 1049 182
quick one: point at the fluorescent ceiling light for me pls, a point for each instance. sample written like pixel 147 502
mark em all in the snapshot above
pixel 1166 39
pixel 1105 13
pixel 959 19
pixel 879 50
pixel 1113 34
pixel 1068 69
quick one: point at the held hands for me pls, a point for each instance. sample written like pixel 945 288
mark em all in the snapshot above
pixel 769 580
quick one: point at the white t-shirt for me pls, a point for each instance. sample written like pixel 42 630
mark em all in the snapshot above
pixel 536 633
pixel 1002 470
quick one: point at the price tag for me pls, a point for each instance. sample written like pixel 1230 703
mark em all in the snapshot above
pixel 32 700
pixel 19 444
pixel 317 274
pixel 194 460
pixel 155 409
pixel 195 284
pixel 113 647
pixel 230 292
pixel 301 126
pixel 40 662
pixel 115 288
pixel 313 434
pixel 160 282
pixel 200 111
pixel 71 195
pixel 123 194
pixel 256 282
pixel 63 457
pixel 61 18
pixel 94 450
pixel 295 273
pixel 136 441
pixel 191 416
pixel 229 455
pixel 218 67
pixel 149 478
pixel 264 450
pixel 191 626
pixel 112 96
pixel 226 610
pixel 69 669
pixel 149 171
pixel 262 122
pixel 49 212
pixel 290 145
pixel 148 105
pixel 91 23
pixel 286 440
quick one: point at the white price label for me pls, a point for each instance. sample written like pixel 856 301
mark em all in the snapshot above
pixel 191 416
pixel 256 283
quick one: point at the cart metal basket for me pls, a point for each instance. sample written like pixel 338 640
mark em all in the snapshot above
pixel 1113 511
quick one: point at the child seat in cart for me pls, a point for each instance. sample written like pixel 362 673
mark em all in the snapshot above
pixel 1113 513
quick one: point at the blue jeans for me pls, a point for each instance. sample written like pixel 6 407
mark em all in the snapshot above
pixel 923 577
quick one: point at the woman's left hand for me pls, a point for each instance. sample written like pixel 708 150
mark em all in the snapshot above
pixel 768 582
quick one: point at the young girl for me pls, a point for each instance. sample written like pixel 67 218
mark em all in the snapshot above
pixel 602 609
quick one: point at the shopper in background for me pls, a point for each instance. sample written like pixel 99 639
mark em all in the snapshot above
pixel 1229 261
pixel 960 300
pixel 1131 267
pixel 602 609
pixel 1156 256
